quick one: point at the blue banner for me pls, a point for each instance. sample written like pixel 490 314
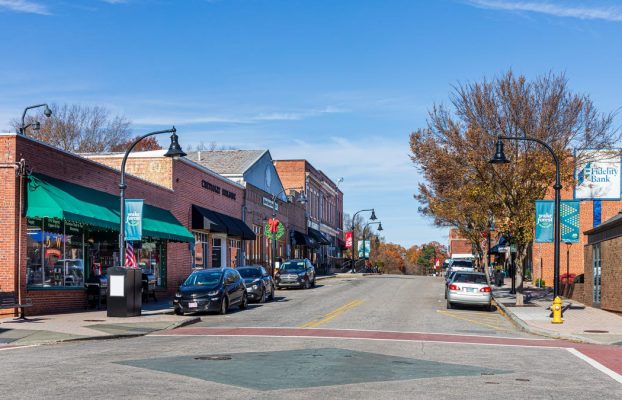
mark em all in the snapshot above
pixel 597 213
pixel 364 248
pixel 568 218
pixel 133 219
pixel 545 210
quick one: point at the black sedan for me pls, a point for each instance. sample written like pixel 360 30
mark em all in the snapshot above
pixel 259 283
pixel 214 289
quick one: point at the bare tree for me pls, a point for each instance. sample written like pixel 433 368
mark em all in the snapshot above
pixel 80 129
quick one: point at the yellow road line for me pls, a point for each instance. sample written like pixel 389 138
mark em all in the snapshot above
pixel 449 314
pixel 333 314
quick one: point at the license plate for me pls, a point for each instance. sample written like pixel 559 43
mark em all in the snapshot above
pixel 248 289
pixel 192 305
pixel 470 290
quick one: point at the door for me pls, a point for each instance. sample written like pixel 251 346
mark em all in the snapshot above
pixel 596 275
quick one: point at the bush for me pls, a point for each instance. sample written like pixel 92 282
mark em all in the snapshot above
pixel 540 282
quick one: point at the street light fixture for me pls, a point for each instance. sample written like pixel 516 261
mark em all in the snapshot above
pixel 174 152
pixel 35 125
pixel 372 217
pixel 302 200
pixel 499 158
pixel 364 228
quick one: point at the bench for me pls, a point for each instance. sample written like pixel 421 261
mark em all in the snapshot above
pixel 9 300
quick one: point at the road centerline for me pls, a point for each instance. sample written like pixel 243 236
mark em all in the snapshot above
pixel 333 314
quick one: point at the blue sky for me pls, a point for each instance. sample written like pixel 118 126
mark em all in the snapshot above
pixel 341 83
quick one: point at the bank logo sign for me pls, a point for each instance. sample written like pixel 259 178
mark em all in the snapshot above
pixel 598 176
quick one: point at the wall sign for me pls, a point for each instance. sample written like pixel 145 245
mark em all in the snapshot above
pixel 598 177
pixel 216 189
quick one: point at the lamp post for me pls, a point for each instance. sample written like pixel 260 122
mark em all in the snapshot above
pixel 174 152
pixel 366 225
pixel 491 226
pixel 302 200
pixel 499 158
pixel 35 125
pixel 567 286
pixel 372 217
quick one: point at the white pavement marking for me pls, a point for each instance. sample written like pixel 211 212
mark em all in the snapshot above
pixel 612 374
pixel 18 347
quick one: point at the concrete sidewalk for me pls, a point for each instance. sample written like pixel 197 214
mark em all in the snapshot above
pixel 44 329
pixel 581 323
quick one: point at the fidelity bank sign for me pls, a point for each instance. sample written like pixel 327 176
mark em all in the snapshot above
pixel 599 176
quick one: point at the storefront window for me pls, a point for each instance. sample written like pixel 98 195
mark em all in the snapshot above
pixel 216 253
pixel 201 249
pixel 55 252
pixel 149 259
pixel 234 251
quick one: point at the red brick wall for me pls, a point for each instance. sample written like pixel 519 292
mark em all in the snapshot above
pixel 609 208
pixel 8 218
pixel 611 274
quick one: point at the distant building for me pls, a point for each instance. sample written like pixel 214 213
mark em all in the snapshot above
pixel 459 247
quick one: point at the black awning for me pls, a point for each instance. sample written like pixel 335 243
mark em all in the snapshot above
pixel 318 236
pixel 300 239
pixel 203 218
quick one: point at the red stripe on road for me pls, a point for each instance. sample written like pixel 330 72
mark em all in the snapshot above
pixel 609 356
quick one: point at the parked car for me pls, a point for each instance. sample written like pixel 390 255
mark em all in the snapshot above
pixel 461 265
pixel 296 273
pixel 259 283
pixel 470 288
pixel 448 279
pixel 214 289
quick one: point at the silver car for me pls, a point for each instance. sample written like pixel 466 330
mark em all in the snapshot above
pixel 470 288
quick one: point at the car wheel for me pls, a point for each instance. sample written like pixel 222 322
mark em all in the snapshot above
pixel 244 302
pixel 272 293
pixel 449 305
pixel 489 307
pixel 224 306
pixel 313 283
pixel 262 299
pixel 307 284
pixel 179 311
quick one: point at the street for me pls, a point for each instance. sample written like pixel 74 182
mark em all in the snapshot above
pixel 374 337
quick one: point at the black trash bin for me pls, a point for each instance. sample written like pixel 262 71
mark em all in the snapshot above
pixel 149 285
pixel 124 291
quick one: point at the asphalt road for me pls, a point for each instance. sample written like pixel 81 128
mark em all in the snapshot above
pixel 376 338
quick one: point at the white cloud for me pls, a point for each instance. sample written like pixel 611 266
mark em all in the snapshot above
pixel 24 6
pixel 613 14
pixel 115 1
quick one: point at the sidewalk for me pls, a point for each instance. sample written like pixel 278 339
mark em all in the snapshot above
pixel 44 329
pixel 581 323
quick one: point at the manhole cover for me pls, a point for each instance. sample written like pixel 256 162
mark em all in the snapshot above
pixel 522 379
pixel 492 383
pixel 487 373
pixel 213 358
pixel 595 331
pixel 94 320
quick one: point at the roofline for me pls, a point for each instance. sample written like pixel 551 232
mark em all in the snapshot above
pixel 210 172
pixel 604 226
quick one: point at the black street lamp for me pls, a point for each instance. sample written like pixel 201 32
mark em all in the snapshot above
pixel 364 228
pixel 302 200
pixel 372 217
pixel 35 125
pixel 174 152
pixel 499 158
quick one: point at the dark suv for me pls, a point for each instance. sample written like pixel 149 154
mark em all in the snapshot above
pixel 296 273
pixel 213 289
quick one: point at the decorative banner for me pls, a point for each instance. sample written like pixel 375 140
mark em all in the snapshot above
pixel 133 219
pixel 544 221
pixel 364 245
pixel 274 229
pixel 348 240
pixel 598 177
pixel 597 213
pixel 569 221
pixel 568 216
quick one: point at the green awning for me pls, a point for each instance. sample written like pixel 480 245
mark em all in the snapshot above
pixel 54 198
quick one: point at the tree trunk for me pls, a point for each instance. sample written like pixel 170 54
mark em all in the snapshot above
pixel 521 254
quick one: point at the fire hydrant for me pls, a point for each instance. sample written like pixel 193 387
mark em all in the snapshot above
pixel 557 311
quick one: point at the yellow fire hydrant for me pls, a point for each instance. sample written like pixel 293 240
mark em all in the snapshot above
pixel 557 311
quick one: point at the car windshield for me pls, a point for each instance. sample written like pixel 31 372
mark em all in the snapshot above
pixel 470 278
pixel 293 266
pixel 250 272
pixel 203 278
pixel 462 263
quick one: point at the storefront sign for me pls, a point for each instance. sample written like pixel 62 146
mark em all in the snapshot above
pixel 598 177
pixel 269 203
pixel 133 219
pixel 569 221
pixel 348 240
pixel 217 189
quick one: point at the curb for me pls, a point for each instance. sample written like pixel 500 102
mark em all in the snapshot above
pixel 522 325
pixel 175 325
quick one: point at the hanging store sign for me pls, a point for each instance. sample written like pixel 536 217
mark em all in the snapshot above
pixel 598 176
pixel 133 219
pixel 568 218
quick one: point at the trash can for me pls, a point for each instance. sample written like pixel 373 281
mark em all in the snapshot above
pixel 149 284
pixel 124 291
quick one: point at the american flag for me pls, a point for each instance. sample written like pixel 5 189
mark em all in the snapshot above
pixel 130 257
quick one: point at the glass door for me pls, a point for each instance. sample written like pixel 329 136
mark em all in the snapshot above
pixel 596 274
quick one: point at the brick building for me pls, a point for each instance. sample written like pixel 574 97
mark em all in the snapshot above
pixel 324 208
pixel 254 170
pixel 59 221
pixel 459 247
